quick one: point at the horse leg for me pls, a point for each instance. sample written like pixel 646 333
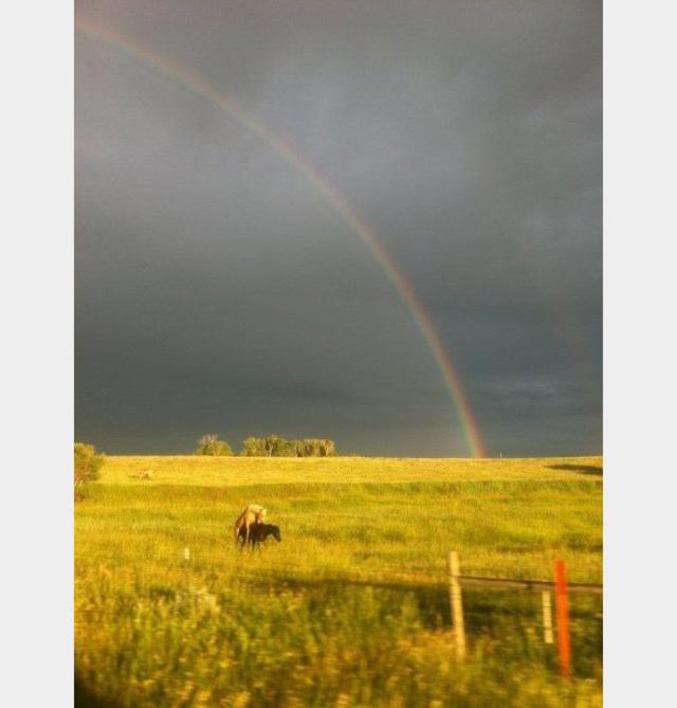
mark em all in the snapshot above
pixel 254 537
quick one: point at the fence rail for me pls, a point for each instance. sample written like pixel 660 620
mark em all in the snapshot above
pixel 527 584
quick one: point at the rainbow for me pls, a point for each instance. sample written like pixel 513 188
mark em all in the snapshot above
pixel 206 90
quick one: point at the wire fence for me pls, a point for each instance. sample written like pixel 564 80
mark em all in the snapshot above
pixel 560 630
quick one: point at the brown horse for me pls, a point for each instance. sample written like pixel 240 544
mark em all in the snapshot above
pixel 261 532
pixel 251 514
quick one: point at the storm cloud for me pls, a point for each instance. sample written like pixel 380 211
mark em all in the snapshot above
pixel 218 291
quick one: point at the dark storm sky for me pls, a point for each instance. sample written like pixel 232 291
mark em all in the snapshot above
pixel 217 291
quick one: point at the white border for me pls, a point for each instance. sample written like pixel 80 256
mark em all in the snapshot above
pixel 36 296
pixel 640 356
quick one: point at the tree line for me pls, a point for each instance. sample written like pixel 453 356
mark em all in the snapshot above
pixel 268 446
pixel 88 462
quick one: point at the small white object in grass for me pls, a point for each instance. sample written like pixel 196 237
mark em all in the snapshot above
pixel 186 553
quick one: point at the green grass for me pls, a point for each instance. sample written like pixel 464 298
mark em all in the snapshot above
pixel 352 607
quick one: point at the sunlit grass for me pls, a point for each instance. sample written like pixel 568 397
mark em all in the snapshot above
pixel 351 606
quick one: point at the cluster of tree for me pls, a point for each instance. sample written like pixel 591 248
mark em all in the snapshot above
pixel 87 466
pixel 275 446
pixel 211 445
pixel 269 446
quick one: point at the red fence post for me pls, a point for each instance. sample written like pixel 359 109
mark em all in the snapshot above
pixel 562 607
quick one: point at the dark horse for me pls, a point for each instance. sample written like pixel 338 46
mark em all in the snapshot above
pixel 258 533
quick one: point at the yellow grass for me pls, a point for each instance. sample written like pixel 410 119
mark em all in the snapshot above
pixel 359 577
pixel 239 471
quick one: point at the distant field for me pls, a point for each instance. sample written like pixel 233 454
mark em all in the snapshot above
pixel 351 608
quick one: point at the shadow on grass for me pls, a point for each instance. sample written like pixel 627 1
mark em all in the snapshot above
pixel 483 607
pixel 583 469
pixel 85 698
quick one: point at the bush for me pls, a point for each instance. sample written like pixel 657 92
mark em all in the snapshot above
pixel 211 445
pixel 254 447
pixel 87 463
pixel 316 447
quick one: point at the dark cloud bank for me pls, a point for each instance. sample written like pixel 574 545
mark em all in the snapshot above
pixel 217 291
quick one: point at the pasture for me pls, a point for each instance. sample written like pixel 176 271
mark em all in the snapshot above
pixel 352 607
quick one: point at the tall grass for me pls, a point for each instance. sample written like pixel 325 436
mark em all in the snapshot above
pixel 351 608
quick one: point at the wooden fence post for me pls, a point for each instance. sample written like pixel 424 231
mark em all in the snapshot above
pixel 562 606
pixel 456 604
pixel 547 618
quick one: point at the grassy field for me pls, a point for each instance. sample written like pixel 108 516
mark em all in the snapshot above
pixel 352 607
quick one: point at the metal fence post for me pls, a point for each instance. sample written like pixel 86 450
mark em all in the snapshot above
pixel 562 606
pixel 547 617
